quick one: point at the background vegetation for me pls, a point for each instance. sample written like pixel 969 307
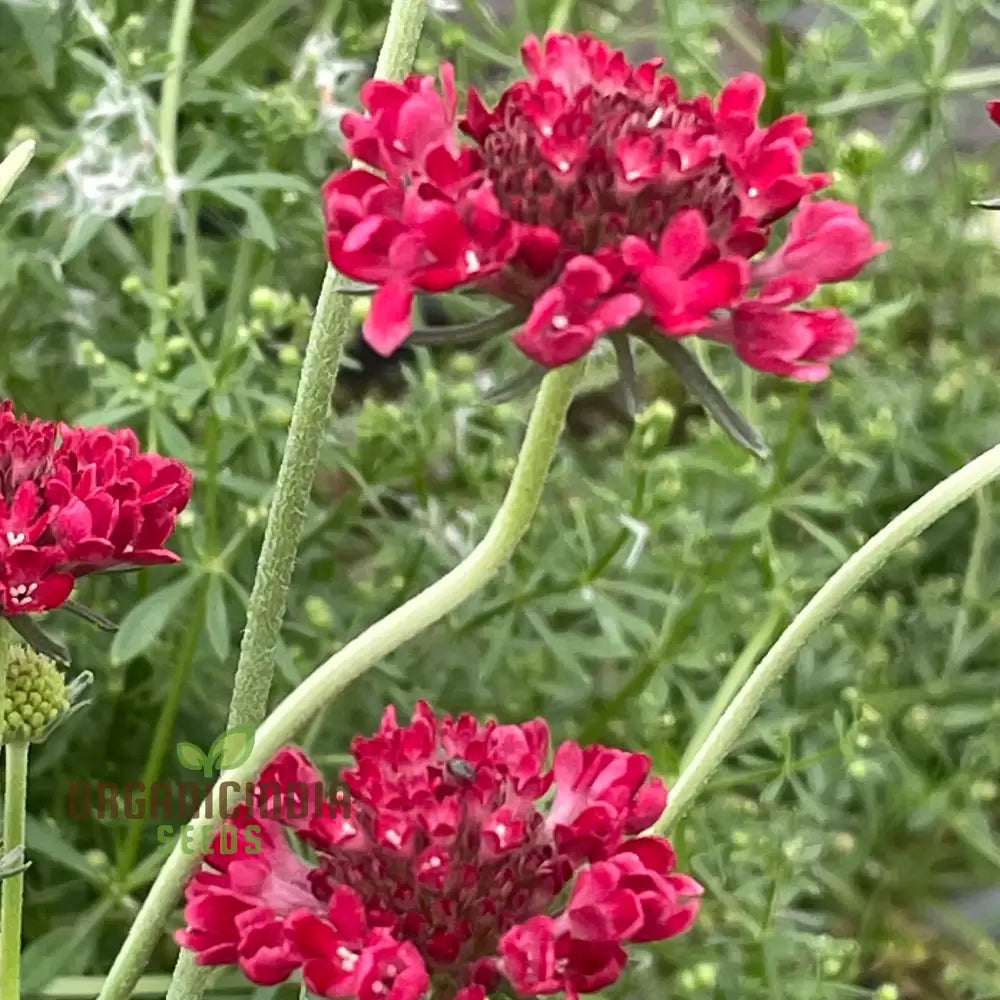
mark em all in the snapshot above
pixel 838 842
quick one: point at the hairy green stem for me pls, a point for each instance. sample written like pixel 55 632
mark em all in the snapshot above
pixel 919 516
pixel 289 507
pixel 170 98
pixel 12 889
pixel 4 659
pixel 290 502
pixel 330 678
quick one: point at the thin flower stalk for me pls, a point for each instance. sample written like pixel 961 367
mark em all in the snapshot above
pixel 12 887
pixel 918 517
pixel 331 677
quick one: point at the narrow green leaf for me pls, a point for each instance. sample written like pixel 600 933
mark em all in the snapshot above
pixel 47 841
pixel 89 615
pixel 29 631
pixel 211 156
pixel 41 27
pixel 257 223
pixel 63 950
pixel 143 624
pixel 249 32
pixel 699 383
pixel 176 443
pixel 470 333
pixel 217 619
pixel 775 71
pixel 628 381
pixel 262 180
pixel 82 231
pixel 109 415
pixel 516 386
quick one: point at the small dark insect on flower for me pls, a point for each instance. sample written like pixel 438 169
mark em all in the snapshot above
pixel 459 767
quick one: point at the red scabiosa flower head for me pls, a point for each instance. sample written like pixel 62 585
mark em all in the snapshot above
pixel 75 501
pixel 596 200
pixel 456 860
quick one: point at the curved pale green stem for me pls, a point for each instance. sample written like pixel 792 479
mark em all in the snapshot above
pixel 290 503
pixel 12 889
pixel 705 757
pixel 359 655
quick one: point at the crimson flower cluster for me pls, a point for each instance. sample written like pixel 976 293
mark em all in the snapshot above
pixel 75 501
pixel 596 199
pixel 993 110
pixel 442 869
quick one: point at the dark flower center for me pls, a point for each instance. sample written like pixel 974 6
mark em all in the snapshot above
pixel 460 918
pixel 606 167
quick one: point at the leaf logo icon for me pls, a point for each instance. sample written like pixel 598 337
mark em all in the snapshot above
pixel 193 759
pixel 232 748
pixel 229 750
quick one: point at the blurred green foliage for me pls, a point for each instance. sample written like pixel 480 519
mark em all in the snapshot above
pixel 866 792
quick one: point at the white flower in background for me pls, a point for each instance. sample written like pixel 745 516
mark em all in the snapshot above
pixel 115 164
pixel 333 76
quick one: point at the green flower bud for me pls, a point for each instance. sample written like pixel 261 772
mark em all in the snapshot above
pixel 832 965
pixel 359 309
pixel 984 791
pixel 844 843
pixel 463 363
pixel 706 975
pixel 36 696
pixel 264 301
pixel 318 612
pixel 860 153
pixel 279 414
pixel 290 356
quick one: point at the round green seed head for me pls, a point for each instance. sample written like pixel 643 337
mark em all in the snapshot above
pixel 35 696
